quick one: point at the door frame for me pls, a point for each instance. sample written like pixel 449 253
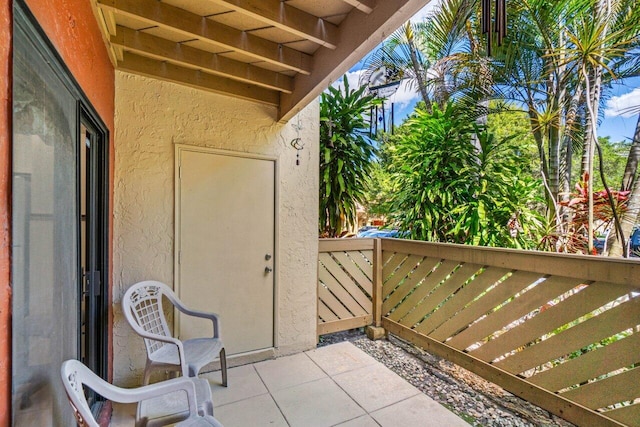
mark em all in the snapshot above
pixel 99 164
pixel 179 149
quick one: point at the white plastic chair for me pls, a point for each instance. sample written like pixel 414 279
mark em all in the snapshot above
pixel 75 376
pixel 142 306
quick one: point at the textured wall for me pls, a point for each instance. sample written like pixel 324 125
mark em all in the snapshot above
pixel 152 116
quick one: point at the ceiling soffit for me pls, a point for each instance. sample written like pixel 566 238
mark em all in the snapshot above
pixel 275 52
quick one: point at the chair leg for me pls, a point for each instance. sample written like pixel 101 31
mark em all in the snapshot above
pixel 223 366
pixel 147 373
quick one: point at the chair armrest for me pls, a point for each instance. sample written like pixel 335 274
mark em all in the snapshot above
pixel 135 395
pixel 215 319
pixel 169 340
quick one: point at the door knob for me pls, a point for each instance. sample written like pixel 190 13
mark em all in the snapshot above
pixel 268 270
pixel 267 257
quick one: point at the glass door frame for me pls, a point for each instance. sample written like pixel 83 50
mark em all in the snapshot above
pixel 94 283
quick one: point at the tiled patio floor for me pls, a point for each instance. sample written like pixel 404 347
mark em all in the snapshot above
pixel 337 385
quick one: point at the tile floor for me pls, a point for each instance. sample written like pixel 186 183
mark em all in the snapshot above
pixel 337 385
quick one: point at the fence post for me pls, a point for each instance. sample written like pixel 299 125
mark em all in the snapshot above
pixel 377 283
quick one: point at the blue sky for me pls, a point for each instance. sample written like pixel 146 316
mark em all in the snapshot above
pixel 616 123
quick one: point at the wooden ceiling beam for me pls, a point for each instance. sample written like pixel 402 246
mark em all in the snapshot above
pixel 365 6
pixel 183 55
pixel 360 34
pixel 197 79
pixel 192 25
pixel 287 18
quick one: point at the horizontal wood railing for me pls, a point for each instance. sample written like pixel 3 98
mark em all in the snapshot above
pixel 561 331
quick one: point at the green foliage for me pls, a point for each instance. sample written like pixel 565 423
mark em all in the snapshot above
pixel 379 191
pixel 345 156
pixel 508 122
pixel 614 159
pixel 449 190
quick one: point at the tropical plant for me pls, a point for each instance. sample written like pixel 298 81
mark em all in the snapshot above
pixel 449 190
pixel 575 234
pixel 346 153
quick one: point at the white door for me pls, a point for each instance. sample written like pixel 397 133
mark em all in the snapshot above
pixel 225 244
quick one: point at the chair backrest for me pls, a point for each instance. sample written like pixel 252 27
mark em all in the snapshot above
pixel 74 376
pixel 142 306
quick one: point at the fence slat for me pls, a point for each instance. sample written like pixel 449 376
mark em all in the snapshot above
pixel 393 279
pixel 481 282
pixel 332 303
pixel 603 360
pixel 503 290
pixel 325 314
pixel 627 414
pixel 429 283
pixel 342 280
pixel 432 301
pixel 386 257
pixel 599 394
pixel 331 245
pixel 341 293
pixel 415 277
pixel 364 260
pixel 344 324
pixel 594 296
pixel 353 270
pixel 514 310
pixel 597 328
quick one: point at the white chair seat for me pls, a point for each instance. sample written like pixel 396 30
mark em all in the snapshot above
pixel 177 393
pixel 174 407
pixel 197 352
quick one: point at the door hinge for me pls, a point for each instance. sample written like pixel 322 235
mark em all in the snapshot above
pixel 179 257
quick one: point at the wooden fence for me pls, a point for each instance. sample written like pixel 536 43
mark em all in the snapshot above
pixel 345 282
pixel 560 331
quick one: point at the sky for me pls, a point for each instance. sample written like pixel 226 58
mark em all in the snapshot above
pixel 616 122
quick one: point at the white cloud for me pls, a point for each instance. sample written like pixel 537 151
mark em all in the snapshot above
pixel 425 11
pixel 621 105
pixel 353 77
pixel 405 95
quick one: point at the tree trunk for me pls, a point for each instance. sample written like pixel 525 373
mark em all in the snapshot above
pixel 631 215
pixel 632 161
pixel 593 101
pixel 570 121
pixel 629 220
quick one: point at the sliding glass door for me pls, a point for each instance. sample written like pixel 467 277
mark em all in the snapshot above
pixel 58 230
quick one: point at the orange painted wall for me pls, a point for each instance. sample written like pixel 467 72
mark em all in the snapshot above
pixel 73 30
pixel 5 197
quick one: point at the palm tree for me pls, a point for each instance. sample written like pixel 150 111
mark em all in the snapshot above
pixel 432 56
pixel 557 62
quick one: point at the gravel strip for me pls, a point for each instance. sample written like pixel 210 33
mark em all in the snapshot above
pixel 477 401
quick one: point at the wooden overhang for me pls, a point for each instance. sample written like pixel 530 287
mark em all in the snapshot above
pixel 282 53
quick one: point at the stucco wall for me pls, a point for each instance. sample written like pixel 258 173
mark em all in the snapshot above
pixel 153 116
